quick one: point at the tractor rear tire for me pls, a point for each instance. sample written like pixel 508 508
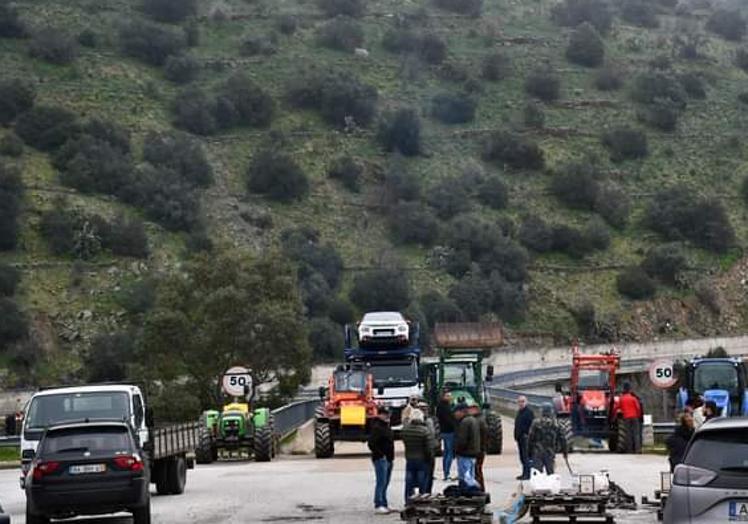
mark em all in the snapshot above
pixel 495 433
pixel 263 443
pixel 622 441
pixel 565 424
pixel 206 451
pixel 324 447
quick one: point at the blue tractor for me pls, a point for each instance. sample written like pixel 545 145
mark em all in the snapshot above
pixel 722 380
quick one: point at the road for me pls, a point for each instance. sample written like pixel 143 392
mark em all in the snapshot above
pixel 299 488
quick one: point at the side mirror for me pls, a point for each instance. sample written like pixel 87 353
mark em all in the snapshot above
pixel 489 373
pixel 149 417
pixel 322 392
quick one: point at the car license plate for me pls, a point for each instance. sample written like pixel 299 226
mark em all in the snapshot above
pixel 84 469
pixel 738 511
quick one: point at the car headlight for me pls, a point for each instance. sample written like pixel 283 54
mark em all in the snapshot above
pixel 402 329
pixel 692 476
pixel 365 329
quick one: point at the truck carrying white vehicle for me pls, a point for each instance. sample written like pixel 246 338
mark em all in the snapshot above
pixel 169 451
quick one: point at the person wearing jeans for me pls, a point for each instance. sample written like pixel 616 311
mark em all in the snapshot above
pixel 467 446
pixel 419 448
pixel 447 427
pixel 382 446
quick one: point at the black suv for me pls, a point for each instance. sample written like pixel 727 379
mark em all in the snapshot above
pixel 89 468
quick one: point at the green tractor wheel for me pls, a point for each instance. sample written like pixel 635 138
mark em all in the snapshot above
pixel 264 438
pixel 495 433
pixel 206 451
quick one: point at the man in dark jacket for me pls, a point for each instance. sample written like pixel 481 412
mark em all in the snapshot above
pixel 447 429
pixel 419 448
pixel 483 430
pixel 678 441
pixel 467 446
pixel 382 446
pixel 545 440
pixel 522 423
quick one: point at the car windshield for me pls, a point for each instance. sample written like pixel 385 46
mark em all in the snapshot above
pixel 717 450
pixel 50 410
pixel 593 379
pixel 459 374
pixel 385 374
pixel 722 376
pixel 383 317
pixel 350 381
pixel 92 440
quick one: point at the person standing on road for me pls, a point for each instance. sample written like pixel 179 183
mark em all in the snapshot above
pixel 447 428
pixel 418 449
pixel 631 410
pixel 483 431
pixel 545 439
pixel 382 446
pixel 408 409
pixel 467 446
pixel 678 441
pixel 435 443
pixel 522 422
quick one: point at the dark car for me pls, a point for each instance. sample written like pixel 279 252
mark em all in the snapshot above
pixel 711 486
pixel 90 468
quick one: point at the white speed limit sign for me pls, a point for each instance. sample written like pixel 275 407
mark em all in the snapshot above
pixel 235 380
pixel 662 374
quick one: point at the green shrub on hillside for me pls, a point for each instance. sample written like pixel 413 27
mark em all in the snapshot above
pixel 449 197
pixel 275 174
pixel 472 295
pixel 665 262
pixel 242 102
pixel 401 131
pixel 287 24
pixel 608 79
pixel 400 183
pixel 181 153
pixel 340 311
pixel 577 185
pixel 741 58
pixel 400 40
pixel 543 84
pixel 16 96
pixel 464 7
pixel 413 223
pixel 165 198
pixel 493 192
pixel 571 13
pixel 13 323
pixel 342 33
pixel 150 42
pixel 438 308
pixel 513 150
pixel 259 45
pixel 326 340
pixel 613 204
pixel 53 46
pixel 11 25
pixel 348 171
pixel 354 8
pixel 109 355
pixel 635 284
pixel 11 145
pixel 91 165
pixel 108 131
pixel 453 108
pixel 46 128
pixel 625 143
pixel 533 116
pixel 87 38
pixel 677 214
pixel 586 47
pixel 640 13
pixel 657 87
pixel 170 10
pixel 195 111
pixel 432 49
pixel 315 293
pixel 126 237
pixel 58 226
pixel 302 245
pixel 496 66
pixel 11 193
pixel 381 290
pixel 694 85
pixel 536 235
pixel 10 277
pixel 729 24
pixel 659 115
pixel 181 69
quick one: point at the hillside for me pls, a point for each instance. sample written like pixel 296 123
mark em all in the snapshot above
pixel 602 200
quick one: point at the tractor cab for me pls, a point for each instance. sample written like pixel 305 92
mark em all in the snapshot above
pixel 722 380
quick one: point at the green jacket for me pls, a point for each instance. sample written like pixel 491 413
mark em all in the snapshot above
pixel 467 437
pixel 418 441
pixel 546 436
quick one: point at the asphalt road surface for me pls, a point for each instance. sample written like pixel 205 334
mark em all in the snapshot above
pixel 299 488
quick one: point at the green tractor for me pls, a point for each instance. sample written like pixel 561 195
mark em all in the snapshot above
pixel 236 429
pixel 459 370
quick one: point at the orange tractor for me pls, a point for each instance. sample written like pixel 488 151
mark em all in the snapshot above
pixel 591 408
pixel 347 411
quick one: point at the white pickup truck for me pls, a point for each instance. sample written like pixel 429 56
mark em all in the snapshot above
pixel 169 451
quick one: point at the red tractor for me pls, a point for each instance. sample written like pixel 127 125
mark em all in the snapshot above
pixel 591 407
pixel 348 409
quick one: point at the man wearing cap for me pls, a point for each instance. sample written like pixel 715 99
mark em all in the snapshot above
pixel 382 446
pixel 419 448
pixel 467 445
pixel 545 439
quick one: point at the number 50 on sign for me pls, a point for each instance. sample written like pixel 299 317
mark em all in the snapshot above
pixel 661 374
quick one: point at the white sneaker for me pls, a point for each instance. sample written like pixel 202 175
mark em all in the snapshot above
pixel 381 510
pixel 393 510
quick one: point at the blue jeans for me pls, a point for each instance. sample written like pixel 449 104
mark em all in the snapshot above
pixel 383 472
pixel 466 472
pixel 415 477
pixel 448 454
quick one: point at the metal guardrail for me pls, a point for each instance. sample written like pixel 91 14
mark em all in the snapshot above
pixel 10 442
pixel 291 416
